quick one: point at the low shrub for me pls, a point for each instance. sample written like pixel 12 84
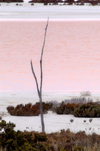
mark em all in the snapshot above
pixel 39 137
pixel 87 110
pixel 11 140
pixel 24 110
pixel 46 106
pixel 78 148
pixel 27 147
pixel 66 108
pixel 28 109
pixel 79 110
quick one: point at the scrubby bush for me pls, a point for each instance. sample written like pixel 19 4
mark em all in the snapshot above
pixel 21 141
pixel 4 126
pixel 24 110
pixel 87 110
pixel 46 106
pixel 10 108
pixel 28 109
pixel 78 148
pixel 38 137
pixel 12 140
pixel 66 108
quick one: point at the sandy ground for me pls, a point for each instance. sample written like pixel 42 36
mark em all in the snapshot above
pixel 14 98
pixel 53 122
pixel 26 97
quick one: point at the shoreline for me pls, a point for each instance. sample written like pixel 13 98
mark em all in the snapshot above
pixel 53 122
pixel 50 19
pixel 41 12
pixel 15 98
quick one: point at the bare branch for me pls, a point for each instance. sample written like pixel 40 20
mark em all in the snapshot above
pixel 35 78
pixel 41 76
pixel 44 38
pixel 41 79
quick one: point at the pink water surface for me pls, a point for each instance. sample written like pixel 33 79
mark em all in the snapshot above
pixel 71 60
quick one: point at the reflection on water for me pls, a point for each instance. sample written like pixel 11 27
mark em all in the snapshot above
pixel 71 60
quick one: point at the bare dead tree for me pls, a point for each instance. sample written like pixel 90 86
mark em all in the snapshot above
pixel 39 89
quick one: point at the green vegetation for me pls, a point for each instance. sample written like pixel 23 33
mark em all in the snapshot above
pixel 11 140
pixel 78 148
pixel 20 141
pixel 88 110
pixel 79 110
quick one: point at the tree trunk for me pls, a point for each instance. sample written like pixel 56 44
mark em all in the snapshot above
pixel 39 90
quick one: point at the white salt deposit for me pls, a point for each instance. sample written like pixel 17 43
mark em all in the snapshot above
pixel 55 123
pixel 40 12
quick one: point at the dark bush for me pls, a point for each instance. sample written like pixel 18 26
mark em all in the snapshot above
pixel 11 145
pixel 29 109
pixel 66 108
pixel 38 137
pixel 78 148
pixel 87 110
pixel 65 140
pixel 10 108
pixel 27 147
pixel 24 110
pixel 46 106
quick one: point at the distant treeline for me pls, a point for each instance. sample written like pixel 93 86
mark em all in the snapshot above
pixel 8 1
pixel 56 2
pixel 67 2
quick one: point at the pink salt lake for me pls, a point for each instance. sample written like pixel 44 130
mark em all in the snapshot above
pixel 71 60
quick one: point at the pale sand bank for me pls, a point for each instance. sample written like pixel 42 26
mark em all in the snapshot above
pixel 11 98
pixel 53 122
pixel 41 12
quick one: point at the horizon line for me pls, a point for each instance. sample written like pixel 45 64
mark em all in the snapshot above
pixel 50 19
